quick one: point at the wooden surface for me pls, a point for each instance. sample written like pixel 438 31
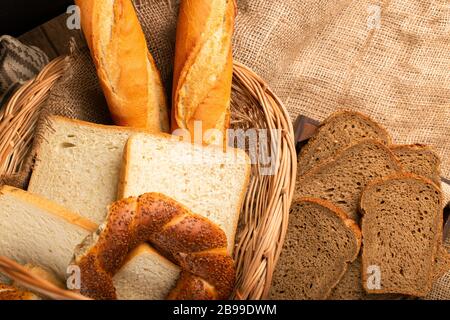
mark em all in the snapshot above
pixel 19 16
pixel 53 37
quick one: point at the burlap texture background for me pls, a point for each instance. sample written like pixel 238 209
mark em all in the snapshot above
pixel 318 56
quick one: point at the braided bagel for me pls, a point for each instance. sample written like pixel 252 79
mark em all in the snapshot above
pixel 13 293
pixel 197 245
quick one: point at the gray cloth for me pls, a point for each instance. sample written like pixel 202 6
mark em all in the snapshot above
pixel 18 63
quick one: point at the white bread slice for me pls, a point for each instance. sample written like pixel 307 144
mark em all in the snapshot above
pixel 37 231
pixel 146 276
pixel 208 181
pixel 78 165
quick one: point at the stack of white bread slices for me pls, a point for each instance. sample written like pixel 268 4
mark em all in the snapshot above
pixel 81 168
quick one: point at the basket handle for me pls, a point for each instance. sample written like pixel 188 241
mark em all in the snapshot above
pixel 34 283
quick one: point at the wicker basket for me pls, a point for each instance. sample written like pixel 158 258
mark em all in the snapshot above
pixel 264 217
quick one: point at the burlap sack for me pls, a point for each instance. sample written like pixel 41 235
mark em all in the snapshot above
pixel 388 59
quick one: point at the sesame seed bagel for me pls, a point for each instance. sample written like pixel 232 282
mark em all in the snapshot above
pixel 196 244
pixel 13 293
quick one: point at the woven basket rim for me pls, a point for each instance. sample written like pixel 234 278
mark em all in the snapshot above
pixel 256 263
pixel 19 116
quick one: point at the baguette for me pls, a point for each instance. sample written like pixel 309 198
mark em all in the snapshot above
pixel 126 70
pixel 203 69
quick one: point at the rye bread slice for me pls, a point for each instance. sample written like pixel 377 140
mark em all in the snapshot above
pixel 401 226
pixel 350 286
pixel 340 130
pixel 441 278
pixel 419 159
pixel 320 243
pixel 441 262
pixel 342 179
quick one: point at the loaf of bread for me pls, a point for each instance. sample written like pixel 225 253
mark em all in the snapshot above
pixel 78 166
pixel 126 70
pixel 203 69
pixel 34 230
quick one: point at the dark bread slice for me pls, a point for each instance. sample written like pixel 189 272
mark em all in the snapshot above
pixel 342 179
pixel 401 226
pixel 338 131
pixel 441 262
pixel 441 278
pixel 320 243
pixel 422 160
pixel 350 287
pixel 419 159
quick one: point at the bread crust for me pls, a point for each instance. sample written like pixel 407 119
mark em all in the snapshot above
pixel 193 242
pixel 422 147
pixel 13 293
pixel 55 209
pixel 330 160
pixel 398 176
pixel 349 223
pixel 414 146
pixel 438 225
pixel 127 72
pixel 307 148
pixel 111 127
pixel 203 66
